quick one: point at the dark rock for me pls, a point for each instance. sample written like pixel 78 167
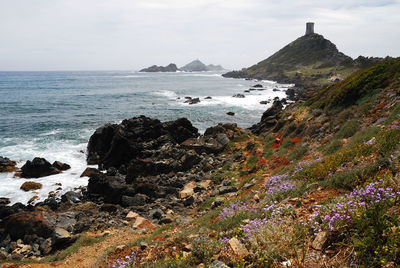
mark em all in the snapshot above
pixel 134 137
pixel 89 172
pixel 169 68
pixel 166 219
pixel 247 91
pixel 269 118
pixel 30 186
pixel 7 165
pixel 72 196
pixel 156 213
pixel 208 98
pixel 109 208
pixel 231 130
pixel 227 189
pixel 193 101
pixel 110 187
pixel 26 223
pixel 239 96
pixel 257 86
pixel 100 143
pixel 230 113
pixel 4 201
pixel 188 201
pixel 137 200
pixel 264 102
pixel 39 167
pixel 275 90
pixel 61 166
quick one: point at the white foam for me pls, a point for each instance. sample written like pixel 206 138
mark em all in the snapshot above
pixel 250 102
pixel 63 151
pixel 166 93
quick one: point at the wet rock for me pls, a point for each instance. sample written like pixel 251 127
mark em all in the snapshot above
pixel 230 113
pixel 193 101
pixel 72 196
pixel 30 186
pixel 38 167
pixel 7 165
pixel 275 90
pixel 4 201
pixel 265 102
pixel 89 172
pixel 208 98
pixel 257 86
pixel 238 248
pixel 61 166
pixel 241 96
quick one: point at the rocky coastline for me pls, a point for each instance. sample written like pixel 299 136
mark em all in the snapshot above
pixel 158 170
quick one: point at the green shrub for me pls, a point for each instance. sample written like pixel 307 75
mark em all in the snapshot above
pixel 332 147
pixel 348 129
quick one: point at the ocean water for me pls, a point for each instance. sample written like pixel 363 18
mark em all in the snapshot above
pixel 53 114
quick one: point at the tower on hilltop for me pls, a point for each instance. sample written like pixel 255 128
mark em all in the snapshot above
pixel 309 28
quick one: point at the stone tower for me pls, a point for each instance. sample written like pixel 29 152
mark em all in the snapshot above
pixel 309 28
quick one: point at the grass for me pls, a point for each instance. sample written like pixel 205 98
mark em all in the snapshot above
pixel 348 129
pixel 82 241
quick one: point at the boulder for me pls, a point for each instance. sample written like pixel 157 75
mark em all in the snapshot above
pixel 208 98
pixel 230 113
pixel 131 216
pixel 7 165
pixel 269 118
pixel 30 186
pixel 100 143
pixel 231 130
pixel 142 223
pixel 257 86
pixel 4 201
pixel 112 188
pixel 38 167
pixel 89 172
pixel 188 190
pixel 61 166
pixel 134 138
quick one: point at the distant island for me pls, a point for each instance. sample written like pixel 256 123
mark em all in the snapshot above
pixel 154 69
pixel 194 66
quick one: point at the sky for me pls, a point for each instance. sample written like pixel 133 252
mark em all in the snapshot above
pixel 43 35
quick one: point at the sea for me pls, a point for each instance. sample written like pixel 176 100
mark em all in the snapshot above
pixel 53 114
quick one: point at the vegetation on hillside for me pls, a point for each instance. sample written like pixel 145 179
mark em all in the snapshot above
pixel 323 190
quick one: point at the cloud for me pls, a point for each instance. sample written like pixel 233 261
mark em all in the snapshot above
pixel 126 34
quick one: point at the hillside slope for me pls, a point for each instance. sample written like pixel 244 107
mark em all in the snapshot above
pixel 310 60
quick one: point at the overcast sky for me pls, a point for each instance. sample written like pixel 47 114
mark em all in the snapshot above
pixel 132 34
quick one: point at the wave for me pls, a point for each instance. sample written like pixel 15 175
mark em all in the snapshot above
pixel 64 151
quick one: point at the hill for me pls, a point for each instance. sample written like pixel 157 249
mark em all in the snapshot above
pixel 310 60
